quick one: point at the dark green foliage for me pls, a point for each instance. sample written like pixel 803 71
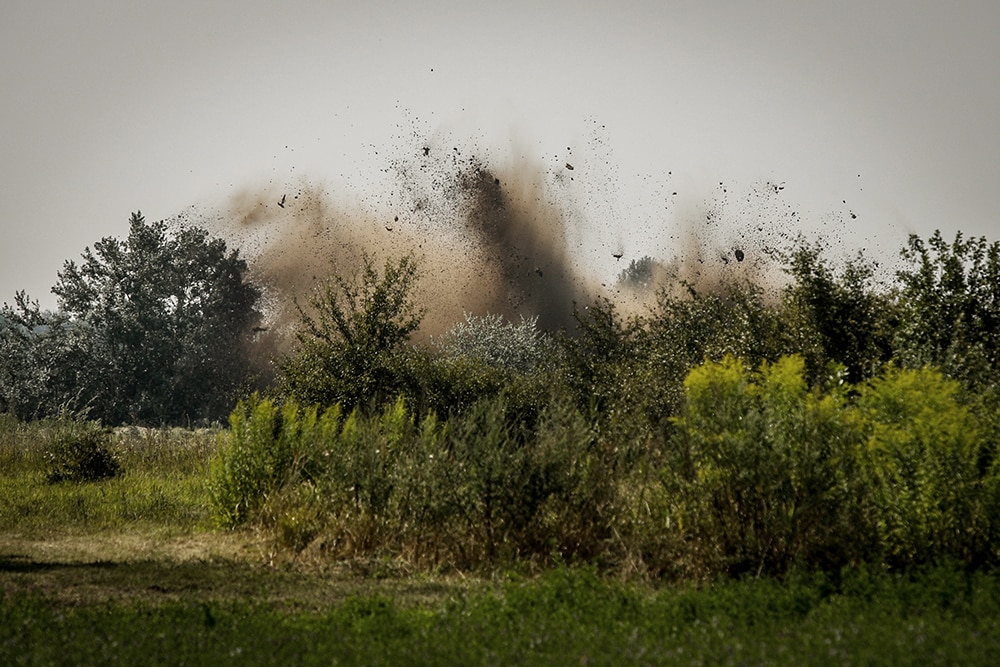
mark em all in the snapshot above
pixel 352 339
pixel 47 358
pixel 80 452
pixel 950 307
pixel 163 320
pixel 595 355
pixel 836 318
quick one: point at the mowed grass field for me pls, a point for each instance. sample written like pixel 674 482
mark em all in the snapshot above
pixel 130 570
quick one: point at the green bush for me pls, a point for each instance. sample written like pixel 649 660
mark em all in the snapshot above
pixel 487 489
pixel 765 473
pixel 761 471
pixel 80 452
pixel 353 336
pixel 931 470
pixel 266 447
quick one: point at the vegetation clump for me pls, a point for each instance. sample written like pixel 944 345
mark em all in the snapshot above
pixel 834 423
pixel 80 452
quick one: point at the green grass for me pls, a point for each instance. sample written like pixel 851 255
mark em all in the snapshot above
pixel 162 485
pixel 941 616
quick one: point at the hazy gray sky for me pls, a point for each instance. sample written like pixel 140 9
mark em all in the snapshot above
pixel 110 107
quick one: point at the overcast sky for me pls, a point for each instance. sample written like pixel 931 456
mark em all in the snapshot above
pixel 886 109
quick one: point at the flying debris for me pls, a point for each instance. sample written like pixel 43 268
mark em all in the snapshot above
pixel 617 255
pixel 282 202
pixel 569 166
pixel 739 254
pixel 427 151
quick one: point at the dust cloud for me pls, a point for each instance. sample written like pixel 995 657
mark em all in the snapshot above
pixel 491 237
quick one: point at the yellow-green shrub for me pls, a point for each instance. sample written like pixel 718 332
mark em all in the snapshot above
pixel 929 467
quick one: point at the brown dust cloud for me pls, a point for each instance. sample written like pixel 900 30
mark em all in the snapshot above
pixel 494 238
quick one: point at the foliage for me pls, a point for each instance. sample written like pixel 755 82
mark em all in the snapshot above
pixel 762 472
pixel 267 446
pixel 641 274
pixel 497 491
pixel 836 318
pixel 766 473
pixel 46 361
pixel 351 339
pixel 594 355
pixel 950 307
pixel 933 475
pixel 687 328
pixel 168 318
pixel 80 452
pixel 496 342
pixel 481 489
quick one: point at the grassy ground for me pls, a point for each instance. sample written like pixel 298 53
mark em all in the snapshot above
pixel 130 571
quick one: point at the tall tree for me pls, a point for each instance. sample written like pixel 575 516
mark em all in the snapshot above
pixel 171 314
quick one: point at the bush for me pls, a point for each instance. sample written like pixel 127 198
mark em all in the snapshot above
pixel 949 305
pixel 932 473
pixel 267 447
pixel 353 336
pixel 834 317
pixel 765 473
pixel 80 452
pixel 762 473
pixel 504 345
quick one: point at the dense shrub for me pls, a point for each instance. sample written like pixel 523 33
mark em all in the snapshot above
pixel 836 317
pixel 950 307
pixel 267 447
pixel 761 471
pixel 353 336
pixel 79 451
pixel 933 475
pixel 490 339
pixel 764 472
pixel 481 489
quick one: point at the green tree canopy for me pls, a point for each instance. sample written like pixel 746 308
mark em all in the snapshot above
pixel 351 337
pixel 171 315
